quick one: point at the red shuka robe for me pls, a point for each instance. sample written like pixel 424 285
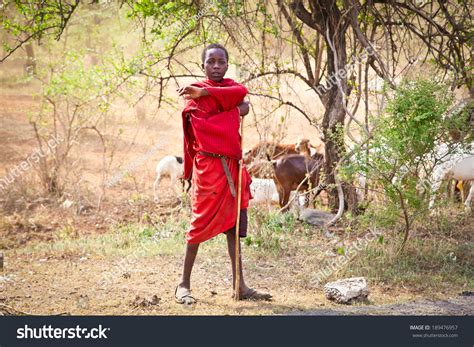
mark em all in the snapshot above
pixel 211 124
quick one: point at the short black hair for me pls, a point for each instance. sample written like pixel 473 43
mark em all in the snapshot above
pixel 211 46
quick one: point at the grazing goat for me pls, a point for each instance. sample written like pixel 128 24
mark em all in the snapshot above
pixel 263 190
pixel 269 149
pixel 462 170
pixel 172 167
pixel 258 158
pixel 453 164
pixel 290 171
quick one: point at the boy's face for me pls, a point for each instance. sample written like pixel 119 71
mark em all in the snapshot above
pixel 215 64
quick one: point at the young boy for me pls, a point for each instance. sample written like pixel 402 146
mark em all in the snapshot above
pixel 212 151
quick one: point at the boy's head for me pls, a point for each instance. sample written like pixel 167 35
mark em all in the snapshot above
pixel 215 61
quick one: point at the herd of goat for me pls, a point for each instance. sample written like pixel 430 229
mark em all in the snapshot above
pixel 277 170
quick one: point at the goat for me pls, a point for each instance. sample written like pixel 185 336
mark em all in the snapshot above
pixel 452 164
pixel 303 146
pixel 259 167
pixel 269 149
pixel 265 191
pixel 462 170
pixel 290 171
pixel 171 166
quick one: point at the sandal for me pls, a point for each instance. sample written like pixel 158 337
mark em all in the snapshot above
pixel 184 296
pixel 253 295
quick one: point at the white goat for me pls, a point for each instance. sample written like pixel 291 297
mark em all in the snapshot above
pixel 464 171
pixel 264 191
pixel 453 164
pixel 171 166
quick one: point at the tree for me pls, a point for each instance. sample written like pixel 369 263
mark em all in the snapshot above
pixel 389 35
pixel 442 27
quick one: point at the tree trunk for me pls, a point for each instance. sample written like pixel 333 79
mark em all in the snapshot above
pixel 334 116
pixel 326 18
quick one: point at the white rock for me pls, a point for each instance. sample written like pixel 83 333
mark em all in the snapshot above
pixel 347 290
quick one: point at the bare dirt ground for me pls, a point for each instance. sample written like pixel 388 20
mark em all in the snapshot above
pixel 55 259
pixel 68 282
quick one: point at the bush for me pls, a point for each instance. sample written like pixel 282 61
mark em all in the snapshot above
pixel 397 155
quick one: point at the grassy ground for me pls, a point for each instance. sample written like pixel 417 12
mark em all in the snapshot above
pixel 120 268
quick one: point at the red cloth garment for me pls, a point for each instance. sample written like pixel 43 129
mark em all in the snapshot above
pixel 211 124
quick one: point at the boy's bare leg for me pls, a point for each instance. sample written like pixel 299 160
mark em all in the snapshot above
pixel 189 258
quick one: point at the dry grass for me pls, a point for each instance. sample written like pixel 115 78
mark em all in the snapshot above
pixel 109 273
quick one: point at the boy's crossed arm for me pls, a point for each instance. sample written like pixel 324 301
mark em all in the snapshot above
pixel 227 96
pixel 192 92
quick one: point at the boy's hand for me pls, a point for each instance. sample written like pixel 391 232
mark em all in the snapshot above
pixel 192 92
pixel 244 108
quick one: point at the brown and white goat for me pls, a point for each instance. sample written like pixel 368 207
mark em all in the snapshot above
pixel 304 146
pixel 267 149
pixel 258 158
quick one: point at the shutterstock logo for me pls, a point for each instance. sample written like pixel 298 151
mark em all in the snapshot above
pixel 48 332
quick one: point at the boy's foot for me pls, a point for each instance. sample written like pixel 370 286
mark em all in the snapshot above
pixel 252 294
pixel 183 296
